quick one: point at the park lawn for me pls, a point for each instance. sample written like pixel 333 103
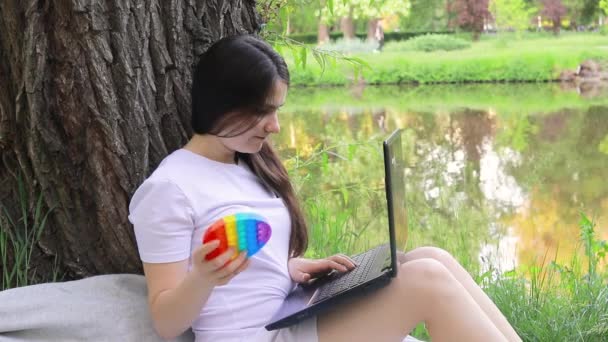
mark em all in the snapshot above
pixel 498 58
pixel 506 99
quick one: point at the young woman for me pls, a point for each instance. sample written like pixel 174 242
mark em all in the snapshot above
pixel 228 167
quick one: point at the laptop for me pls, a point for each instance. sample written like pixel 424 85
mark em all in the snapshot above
pixel 376 267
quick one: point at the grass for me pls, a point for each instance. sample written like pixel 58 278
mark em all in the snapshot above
pixel 18 239
pixel 559 302
pixel 348 199
pixel 503 58
pixel 525 98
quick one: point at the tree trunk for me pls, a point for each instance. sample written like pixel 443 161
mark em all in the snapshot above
pixel 557 23
pixel 347 26
pixel 323 35
pixel 371 29
pixel 93 94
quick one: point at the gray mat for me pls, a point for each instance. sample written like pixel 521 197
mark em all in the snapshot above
pixel 101 308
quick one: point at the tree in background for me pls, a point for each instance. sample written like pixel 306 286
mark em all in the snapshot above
pixel 347 11
pixel 469 15
pixel 512 14
pixel 289 16
pixel 555 11
pixel 581 12
pixel 426 15
pixel 604 6
pixel 590 11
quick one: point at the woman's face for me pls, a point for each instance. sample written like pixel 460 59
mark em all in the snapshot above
pixel 251 140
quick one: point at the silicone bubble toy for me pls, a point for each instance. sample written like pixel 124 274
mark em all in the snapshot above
pixel 242 231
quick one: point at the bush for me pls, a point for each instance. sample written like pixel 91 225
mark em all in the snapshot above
pixel 432 42
pixel 350 45
pixel 311 38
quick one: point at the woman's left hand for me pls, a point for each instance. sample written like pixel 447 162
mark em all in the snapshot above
pixel 302 270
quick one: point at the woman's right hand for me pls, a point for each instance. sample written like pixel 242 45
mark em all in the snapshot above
pixel 221 269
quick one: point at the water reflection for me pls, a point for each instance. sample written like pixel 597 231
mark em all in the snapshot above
pixel 500 178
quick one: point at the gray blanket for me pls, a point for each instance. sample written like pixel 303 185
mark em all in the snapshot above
pixel 100 308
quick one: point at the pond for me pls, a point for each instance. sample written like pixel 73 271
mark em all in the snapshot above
pixel 497 174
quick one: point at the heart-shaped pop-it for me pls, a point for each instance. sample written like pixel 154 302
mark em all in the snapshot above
pixel 242 231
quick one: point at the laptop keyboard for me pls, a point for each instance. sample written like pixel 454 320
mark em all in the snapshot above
pixel 368 264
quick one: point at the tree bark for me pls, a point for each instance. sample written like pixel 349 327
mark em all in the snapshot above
pixel 323 34
pixel 93 94
pixel 557 25
pixel 347 25
pixel 371 29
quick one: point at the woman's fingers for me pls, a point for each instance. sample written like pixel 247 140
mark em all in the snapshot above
pixel 344 261
pixel 331 264
pixel 235 267
pixel 231 267
pixel 207 248
pixel 243 266
pixel 222 259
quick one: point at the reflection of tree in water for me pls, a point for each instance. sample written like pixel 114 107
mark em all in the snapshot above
pixel 564 174
pixel 553 126
pixel 595 126
pixel 473 126
pixel 469 130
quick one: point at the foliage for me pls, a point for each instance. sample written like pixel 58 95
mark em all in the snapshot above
pixel 18 239
pixel 581 12
pixel 574 9
pixel 514 14
pixel 362 9
pixel 426 15
pixel 434 42
pixel 469 14
pixel 558 302
pixel 604 6
pixel 270 10
pixel 555 11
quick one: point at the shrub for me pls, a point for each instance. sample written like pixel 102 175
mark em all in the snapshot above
pixel 311 38
pixel 432 42
pixel 350 45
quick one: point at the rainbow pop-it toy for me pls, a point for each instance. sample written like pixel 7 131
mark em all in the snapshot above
pixel 242 231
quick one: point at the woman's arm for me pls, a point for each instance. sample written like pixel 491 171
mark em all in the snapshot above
pixel 176 296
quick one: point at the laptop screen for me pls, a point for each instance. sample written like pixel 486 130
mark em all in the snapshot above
pixel 395 192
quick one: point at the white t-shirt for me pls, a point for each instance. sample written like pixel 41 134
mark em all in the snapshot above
pixel 170 212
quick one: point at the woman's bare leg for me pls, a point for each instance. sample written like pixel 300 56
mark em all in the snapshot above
pixel 467 282
pixel 423 291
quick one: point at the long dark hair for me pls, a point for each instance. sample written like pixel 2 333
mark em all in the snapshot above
pixel 236 75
